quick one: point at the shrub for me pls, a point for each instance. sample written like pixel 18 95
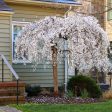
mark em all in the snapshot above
pixel 32 90
pixel 84 94
pixel 77 84
pixel 70 94
pixel 107 94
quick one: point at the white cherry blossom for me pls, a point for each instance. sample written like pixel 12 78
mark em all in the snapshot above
pixel 87 42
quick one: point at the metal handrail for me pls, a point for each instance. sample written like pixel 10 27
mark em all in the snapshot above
pixel 4 60
pixel 10 67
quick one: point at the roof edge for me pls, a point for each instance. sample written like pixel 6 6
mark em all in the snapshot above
pixel 43 4
pixel 7 13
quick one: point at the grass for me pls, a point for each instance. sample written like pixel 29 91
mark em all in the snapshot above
pixel 95 107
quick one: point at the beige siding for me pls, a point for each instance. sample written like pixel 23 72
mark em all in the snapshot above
pixel 42 77
pixel 30 13
pixel 5 43
pixel 109 29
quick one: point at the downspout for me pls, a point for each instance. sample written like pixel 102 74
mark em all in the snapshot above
pixel 66 56
pixel 66 64
pixel 90 7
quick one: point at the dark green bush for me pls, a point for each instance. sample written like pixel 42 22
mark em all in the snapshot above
pixel 32 90
pixel 77 84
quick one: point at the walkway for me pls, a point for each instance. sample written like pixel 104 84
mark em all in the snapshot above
pixel 8 109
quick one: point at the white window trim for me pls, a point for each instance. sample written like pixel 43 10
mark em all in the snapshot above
pixel 19 24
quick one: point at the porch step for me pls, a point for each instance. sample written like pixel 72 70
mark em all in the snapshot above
pixel 11 84
pixel 8 92
pixel 11 100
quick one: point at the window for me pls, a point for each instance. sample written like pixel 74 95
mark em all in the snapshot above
pixel 109 13
pixel 110 51
pixel 16 29
pixel 111 45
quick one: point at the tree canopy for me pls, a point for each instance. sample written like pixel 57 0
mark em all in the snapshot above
pixel 87 42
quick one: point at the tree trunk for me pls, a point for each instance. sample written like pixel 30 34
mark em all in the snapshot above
pixel 55 72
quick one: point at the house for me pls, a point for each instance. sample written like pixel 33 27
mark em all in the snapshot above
pixel 14 14
pixel 17 13
pixel 13 17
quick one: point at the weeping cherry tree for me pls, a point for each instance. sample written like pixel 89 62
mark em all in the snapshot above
pixel 87 42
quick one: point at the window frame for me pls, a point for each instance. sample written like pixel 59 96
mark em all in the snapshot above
pixel 109 3
pixel 18 23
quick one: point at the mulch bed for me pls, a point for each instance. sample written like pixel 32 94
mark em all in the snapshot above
pixel 61 100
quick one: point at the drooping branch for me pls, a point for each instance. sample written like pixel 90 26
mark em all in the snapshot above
pixel 87 41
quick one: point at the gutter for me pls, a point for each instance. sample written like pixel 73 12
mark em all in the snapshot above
pixel 43 3
pixel 6 13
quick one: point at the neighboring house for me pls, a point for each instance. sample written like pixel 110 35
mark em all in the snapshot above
pixel 98 9
pixel 109 19
pixel 105 19
pixel 103 10
pixel 109 24
pixel 13 17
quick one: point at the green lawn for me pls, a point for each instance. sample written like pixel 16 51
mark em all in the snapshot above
pixel 96 107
